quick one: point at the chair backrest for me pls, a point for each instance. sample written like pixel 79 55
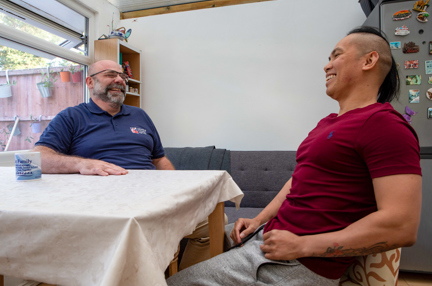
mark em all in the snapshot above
pixel 374 270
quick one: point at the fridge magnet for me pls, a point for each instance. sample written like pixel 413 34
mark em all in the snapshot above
pixel 395 45
pixel 429 94
pixel 408 114
pixel 422 17
pixel 412 64
pixel 413 79
pixel 429 113
pixel 428 67
pixel 421 6
pixel 402 15
pixel 410 48
pixel 430 48
pixel 402 31
pixel 414 96
pixel 430 80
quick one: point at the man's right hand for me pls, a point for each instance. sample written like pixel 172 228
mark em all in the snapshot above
pixel 57 163
pixel 243 227
pixel 98 167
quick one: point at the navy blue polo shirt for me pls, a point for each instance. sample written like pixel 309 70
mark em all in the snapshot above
pixel 128 139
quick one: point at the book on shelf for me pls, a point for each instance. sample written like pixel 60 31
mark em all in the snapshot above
pixel 127 69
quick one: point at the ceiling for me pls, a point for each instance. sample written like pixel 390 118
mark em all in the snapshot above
pixel 134 5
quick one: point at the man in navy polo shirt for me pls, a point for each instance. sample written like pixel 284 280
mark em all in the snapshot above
pixel 103 137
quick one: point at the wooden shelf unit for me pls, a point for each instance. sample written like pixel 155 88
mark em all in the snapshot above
pixel 110 49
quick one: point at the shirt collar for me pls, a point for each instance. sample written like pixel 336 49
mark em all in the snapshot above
pixel 95 109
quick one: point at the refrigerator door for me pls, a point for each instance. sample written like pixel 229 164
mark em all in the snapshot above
pixel 419 257
pixel 420 34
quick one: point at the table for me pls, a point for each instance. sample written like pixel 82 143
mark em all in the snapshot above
pixel 73 229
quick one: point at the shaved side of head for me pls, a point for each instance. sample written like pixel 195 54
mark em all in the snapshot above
pixel 367 43
pixel 369 39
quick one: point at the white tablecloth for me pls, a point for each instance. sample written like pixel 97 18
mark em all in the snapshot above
pixel 92 230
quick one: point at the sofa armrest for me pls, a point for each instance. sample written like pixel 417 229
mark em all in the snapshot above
pixel 190 158
pixel 199 158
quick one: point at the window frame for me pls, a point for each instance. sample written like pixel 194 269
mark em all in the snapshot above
pixel 22 38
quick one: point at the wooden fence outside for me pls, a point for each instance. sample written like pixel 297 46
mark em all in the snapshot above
pixel 26 101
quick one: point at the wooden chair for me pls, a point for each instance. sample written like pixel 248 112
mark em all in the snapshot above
pixel 173 267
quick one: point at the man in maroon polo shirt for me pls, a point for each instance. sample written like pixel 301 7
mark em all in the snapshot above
pixel 356 189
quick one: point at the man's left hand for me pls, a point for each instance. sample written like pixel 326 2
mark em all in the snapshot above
pixel 281 245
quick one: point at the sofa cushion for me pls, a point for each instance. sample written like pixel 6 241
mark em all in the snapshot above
pixel 233 214
pixel 261 174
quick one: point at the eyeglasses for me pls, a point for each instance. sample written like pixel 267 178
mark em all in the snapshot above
pixel 113 74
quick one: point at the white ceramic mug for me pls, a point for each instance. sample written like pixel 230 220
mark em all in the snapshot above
pixel 28 166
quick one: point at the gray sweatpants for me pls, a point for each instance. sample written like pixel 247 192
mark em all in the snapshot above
pixel 247 265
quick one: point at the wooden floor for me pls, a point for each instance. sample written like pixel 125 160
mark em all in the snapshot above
pixel 414 279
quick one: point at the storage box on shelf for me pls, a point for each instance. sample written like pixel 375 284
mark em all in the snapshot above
pixel 111 49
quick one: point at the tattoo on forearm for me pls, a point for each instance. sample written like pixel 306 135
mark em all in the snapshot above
pixel 339 251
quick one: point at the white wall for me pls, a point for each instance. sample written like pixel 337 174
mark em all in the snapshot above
pixel 244 77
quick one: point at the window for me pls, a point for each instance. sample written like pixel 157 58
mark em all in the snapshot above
pixel 43 62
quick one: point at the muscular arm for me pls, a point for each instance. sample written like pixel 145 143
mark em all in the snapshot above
pixel 57 163
pixel 393 225
pixel 163 164
pixel 244 226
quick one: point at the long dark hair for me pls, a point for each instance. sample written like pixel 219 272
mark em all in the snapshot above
pixel 389 89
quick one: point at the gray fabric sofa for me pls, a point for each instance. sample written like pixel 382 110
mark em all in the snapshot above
pixel 259 174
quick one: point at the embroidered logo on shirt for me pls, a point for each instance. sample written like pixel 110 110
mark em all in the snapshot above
pixel 137 130
pixel 330 135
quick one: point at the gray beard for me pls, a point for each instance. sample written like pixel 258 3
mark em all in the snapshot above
pixel 115 101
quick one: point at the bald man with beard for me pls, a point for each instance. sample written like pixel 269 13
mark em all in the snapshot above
pixel 356 188
pixel 106 137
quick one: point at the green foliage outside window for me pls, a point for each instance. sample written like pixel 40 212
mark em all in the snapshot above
pixel 11 59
